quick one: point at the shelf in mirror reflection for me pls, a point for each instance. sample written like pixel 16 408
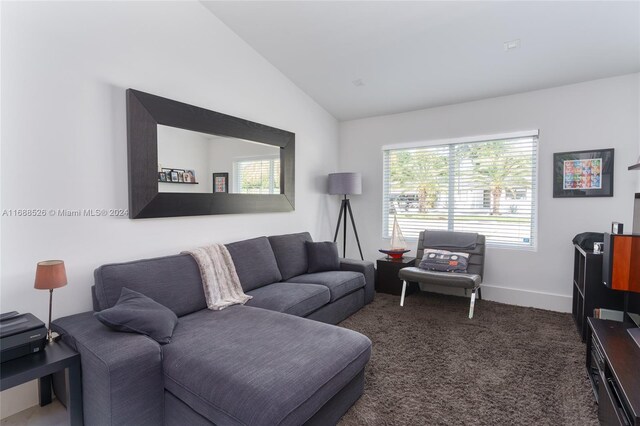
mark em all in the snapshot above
pixel 181 183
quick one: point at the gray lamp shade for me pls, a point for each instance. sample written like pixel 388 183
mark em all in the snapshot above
pixel 345 184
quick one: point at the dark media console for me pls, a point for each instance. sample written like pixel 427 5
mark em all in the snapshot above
pixel 612 364
pixel 613 348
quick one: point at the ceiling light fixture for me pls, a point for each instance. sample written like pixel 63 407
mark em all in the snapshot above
pixel 510 45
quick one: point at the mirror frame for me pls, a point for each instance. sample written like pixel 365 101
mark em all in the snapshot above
pixel 146 111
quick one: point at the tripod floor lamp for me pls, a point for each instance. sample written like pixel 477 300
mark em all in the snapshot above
pixel 346 184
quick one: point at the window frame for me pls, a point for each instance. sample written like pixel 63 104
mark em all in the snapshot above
pixel 272 172
pixel 471 139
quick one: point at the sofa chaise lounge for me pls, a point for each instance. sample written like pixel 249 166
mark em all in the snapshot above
pixel 263 363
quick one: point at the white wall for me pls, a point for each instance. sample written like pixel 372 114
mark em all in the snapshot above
pixel 65 68
pixel 592 115
pixel 183 149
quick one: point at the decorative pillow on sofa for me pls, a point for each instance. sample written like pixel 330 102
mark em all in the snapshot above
pixel 444 261
pixel 322 256
pixel 136 313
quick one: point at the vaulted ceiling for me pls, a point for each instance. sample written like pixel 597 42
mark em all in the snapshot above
pixel 360 59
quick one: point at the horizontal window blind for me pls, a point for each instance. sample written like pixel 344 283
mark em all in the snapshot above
pixel 257 176
pixel 487 187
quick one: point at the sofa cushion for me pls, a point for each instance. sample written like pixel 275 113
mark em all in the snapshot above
pixel 290 253
pixel 290 298
pixel 136 313
pixel 322 256
pixel 444 261
pixel 251 366
pixel 172 281
pixel 255 262
pixel 340 283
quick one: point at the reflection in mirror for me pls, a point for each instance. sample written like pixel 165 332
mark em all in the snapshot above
pixel 191 161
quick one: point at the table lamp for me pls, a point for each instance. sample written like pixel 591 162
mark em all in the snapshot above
pixel 346 184
pixel 50 274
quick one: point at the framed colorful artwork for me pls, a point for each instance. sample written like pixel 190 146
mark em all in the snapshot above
pixel 583 174
pixel 220 182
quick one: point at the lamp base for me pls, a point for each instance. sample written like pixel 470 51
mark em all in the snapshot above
pixel 345 208
pixel 52 336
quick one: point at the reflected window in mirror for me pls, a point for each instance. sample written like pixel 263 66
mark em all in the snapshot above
pixel 257 175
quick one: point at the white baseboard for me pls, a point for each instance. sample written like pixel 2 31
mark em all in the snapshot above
pixel 515 296
pixel 534 299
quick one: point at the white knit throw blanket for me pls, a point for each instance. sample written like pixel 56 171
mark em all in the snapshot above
pixel 219 277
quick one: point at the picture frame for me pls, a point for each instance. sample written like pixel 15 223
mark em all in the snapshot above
pixel 162 177
pixel 220 183
pixel 583 173
pixel 177 176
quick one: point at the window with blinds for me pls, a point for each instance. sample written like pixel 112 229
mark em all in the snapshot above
pixel 257 176
pixel 486 186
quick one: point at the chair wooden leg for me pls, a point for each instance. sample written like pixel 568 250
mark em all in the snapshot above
pixel 479 293
pixel 404 289
pixel 473 302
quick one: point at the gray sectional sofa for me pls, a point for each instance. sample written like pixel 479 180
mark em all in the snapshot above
pixel 264 363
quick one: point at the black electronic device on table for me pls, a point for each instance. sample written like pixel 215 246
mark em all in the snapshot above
pixel 20 335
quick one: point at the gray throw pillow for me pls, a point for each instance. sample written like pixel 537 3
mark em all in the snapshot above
pixel 137 313
pixel 444 261
pixel 322 256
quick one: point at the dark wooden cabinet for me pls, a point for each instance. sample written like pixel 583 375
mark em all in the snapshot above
pixel 387 280
pixel 589 292
pixel 612 365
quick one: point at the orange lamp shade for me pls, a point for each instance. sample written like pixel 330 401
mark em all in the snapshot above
pixel 50 274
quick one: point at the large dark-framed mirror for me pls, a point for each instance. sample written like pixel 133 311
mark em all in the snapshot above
pixel 185 160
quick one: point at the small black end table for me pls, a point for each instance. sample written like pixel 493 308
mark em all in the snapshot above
pixel 387 275
pixel 57 356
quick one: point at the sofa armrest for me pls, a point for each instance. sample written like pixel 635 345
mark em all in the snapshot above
pixel 122 379
pixel 369 272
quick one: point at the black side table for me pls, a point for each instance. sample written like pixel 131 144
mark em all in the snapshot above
pixel 56 356
pixel 387 275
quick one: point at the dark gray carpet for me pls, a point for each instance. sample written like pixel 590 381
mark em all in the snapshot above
pixel 431 365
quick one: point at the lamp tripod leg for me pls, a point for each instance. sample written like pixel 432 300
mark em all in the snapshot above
pixel 335 236
pixel 355 231
pixel 345 203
